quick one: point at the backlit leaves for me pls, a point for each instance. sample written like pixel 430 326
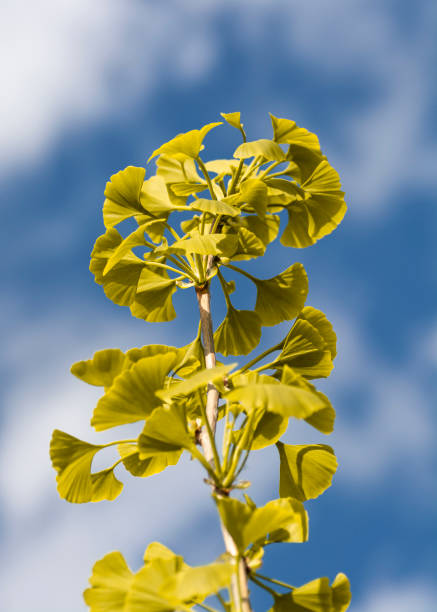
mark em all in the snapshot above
pixel 165 582
pixel 101 369
pixel 110 582
pixel 186 145
pixel 316 596
pixel 132 396
pixel 123 195
pixel 72 459
pixel 165 432
pixel 268 149
pixel 239 332
pixel 249 525
pixel 306 470
pixel 286 131
pixel 142 468
pixel 319 212
pixel 306 351
pixel 282 297
pixel 270 395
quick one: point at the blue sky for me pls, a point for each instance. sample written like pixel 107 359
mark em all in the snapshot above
pixel 91 87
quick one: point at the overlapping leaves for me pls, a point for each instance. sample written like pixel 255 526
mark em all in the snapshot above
pixel 164 583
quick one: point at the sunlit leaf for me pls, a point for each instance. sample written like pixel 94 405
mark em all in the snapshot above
pixel 286 131
pixel 253 192
pixel 303 162
pixel 120 284
pixel 155 198
pixel 322 419
pixel 187 188
pixel 222 166
pixel 210 244
pixel 268 149
pixel 72 459
pixel 145 467
pixel 296 530
pixel 132 396
pixel 233 119
pixel 318 320
pixel 175 171
pixel 316 596
pixel 269 429
pixel 123 195
pixel 239 332
pixel 270 395
pixel 153 300
pixel 145 591
pixel 248 525
pixel 196 583
pixel 249 245
pixel 306 351
pixel 101 369
pixel 282 297
pixel 185 145
pixel 110 581
pixel 196 381
pixel 165 432
pixel 214 207
pixel 136 238
pixel 319 213
pixel 265 229
pixel 306 471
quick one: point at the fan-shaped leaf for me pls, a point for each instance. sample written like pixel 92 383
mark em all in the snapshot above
pixel 253 192
pixel 233 119
pixel 215 207
pixel 318 320
pixel 305 351
pixel 319 213
pixel 323 419
pixel 316 596
pixel 154 197
pixel 268 149
pixel 271 396
pixel 183 146
pixel 265 229
pixel 239 332
pixel 101 369
pixel 123 195
pixel 72 459
pixel 145 591
pixel 282 297
pixel 145 467
pixel 306 470
pixel 269 429
pixel 222 166
pixel 153 301
pixel 286 131
pixel 248 525
pixel 176 171
pixel 120 284
pixel 249 245
pixel 196 583
pixel 196 381
pixel 110 582
pixel 132 396
pixel 134 239
pixel 165 432
pixel 210 244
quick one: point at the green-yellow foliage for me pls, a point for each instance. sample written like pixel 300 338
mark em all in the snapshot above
pixel 229 211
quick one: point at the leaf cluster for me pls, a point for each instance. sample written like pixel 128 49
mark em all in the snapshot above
pixel 181 229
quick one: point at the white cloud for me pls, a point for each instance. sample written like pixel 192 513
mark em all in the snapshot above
pixel 405 596
pixel 73 63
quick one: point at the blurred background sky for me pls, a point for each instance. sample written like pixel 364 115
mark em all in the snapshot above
pixel 89 87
